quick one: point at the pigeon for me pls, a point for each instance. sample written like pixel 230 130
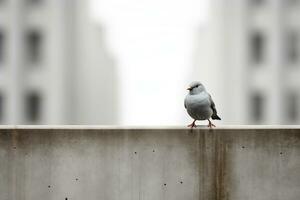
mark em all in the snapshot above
pixel 200 105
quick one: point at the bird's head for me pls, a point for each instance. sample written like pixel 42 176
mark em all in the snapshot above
pixel 196 87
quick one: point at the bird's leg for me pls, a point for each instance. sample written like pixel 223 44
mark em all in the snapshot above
pixel 210 125
pixel 192 124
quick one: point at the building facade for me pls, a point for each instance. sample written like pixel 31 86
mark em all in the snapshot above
pixel 46 64
pixel 254 54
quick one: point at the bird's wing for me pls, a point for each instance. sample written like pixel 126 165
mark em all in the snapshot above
pixel 212 104
pixel 213 107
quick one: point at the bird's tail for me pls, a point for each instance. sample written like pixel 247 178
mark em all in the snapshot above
pixel 215 117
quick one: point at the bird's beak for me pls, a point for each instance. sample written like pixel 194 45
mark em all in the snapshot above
pixel 189 88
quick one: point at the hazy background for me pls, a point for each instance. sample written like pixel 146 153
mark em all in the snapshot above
pixel 129 62
pixel 153 42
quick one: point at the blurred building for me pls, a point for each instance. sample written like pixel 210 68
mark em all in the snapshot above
pixel 253 67
pixel 52 64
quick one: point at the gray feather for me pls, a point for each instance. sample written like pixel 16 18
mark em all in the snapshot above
pixel 213 107
pixel 199 103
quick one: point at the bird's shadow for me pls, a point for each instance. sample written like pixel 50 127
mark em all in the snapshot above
pixel 199 127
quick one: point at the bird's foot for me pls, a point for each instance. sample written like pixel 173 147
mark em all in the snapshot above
pixel 192 125
pixel 211 125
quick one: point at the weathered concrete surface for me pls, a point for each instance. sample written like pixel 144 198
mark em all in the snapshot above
pixel 110 163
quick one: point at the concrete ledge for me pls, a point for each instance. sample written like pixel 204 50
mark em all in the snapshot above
pixel 95 162
pixel 105 127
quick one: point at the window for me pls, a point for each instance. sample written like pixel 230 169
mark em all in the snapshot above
pixel 292 47
pixel 34 40
pixel 1 46
pixel 291 2
pixel 257 107
pixel 33 1
pixel 257 2
pixel 257 48
pixel 33 107
pixel 1 108
pixel 292 107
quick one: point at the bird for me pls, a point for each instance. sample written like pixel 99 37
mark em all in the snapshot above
pixel 199 104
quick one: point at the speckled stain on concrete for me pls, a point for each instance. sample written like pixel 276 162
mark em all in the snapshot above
pixel 135 163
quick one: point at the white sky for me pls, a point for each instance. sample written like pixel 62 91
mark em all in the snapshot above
pixel 152 42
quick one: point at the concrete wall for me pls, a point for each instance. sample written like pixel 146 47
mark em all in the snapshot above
pixel 101 163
